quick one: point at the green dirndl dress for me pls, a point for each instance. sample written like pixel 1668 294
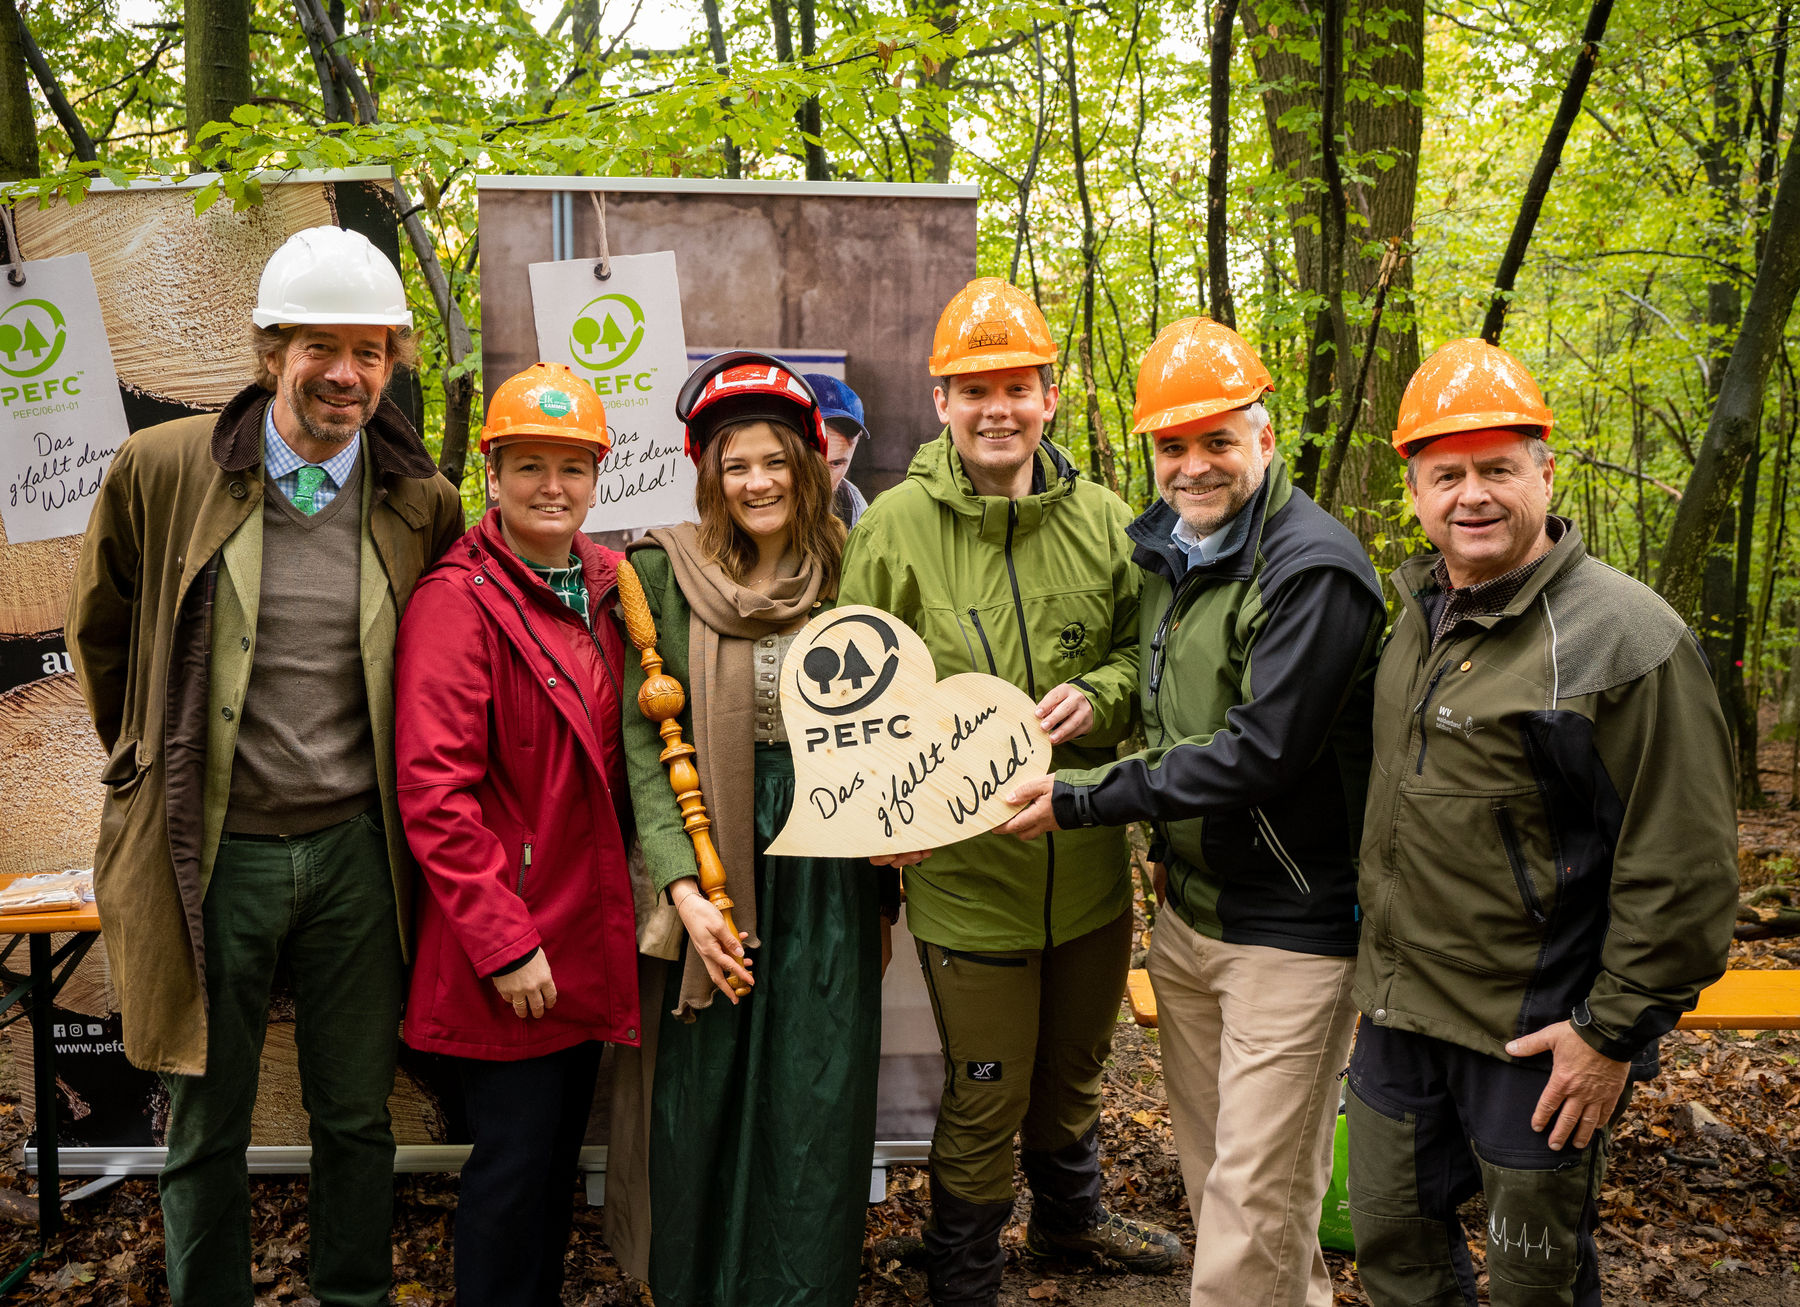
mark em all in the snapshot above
pixel 762 1122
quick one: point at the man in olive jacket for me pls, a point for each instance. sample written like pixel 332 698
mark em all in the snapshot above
pixel 1005 562
pixel 1549 860
pixel 1261 616
pixel 232 627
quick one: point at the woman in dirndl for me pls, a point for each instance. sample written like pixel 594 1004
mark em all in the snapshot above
pixel 742 1141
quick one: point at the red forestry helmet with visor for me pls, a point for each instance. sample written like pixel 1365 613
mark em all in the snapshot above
pixel 742 385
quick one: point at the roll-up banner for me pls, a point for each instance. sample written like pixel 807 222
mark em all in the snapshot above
pixel 836 278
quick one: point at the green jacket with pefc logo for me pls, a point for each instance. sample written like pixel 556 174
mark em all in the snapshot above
pixel 1037 590
pixel 1551 831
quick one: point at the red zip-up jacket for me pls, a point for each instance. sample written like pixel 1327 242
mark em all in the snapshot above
pixel 507 742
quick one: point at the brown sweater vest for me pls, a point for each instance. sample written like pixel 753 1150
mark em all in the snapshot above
pixel 305 753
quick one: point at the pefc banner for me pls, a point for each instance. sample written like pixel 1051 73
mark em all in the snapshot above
pixel 61 418
pixel 624 335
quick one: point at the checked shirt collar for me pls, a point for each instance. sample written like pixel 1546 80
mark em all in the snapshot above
pixel 1485 598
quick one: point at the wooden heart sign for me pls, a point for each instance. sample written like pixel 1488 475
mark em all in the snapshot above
pixel 887 758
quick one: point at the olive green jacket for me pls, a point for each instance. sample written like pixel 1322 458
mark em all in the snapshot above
pixel 161 631
pixel 1551 831
pixel 1039 590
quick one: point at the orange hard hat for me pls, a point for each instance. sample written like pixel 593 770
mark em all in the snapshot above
pixel 1196 368
pixel 988 325
pixel 1469 385
pixel 546 401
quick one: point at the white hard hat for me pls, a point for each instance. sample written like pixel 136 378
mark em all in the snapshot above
pixel 330 275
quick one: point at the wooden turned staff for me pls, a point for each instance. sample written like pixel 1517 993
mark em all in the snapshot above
pixel 661 700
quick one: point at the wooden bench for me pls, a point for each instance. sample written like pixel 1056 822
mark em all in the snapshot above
pixel 1742 1000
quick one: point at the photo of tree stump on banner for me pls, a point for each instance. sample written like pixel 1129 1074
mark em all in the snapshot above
pixel 887 758
pixel 175 290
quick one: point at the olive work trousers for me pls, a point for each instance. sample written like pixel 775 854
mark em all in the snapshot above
pixel 1025 1036
pixel 1432 1123
pixel 317 909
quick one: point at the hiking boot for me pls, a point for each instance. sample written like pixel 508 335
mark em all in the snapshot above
pixel 1067 1215
pixel 1135 1245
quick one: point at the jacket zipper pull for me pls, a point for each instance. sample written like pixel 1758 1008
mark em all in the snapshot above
pixel 525 866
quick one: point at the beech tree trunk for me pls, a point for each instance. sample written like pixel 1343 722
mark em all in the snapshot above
pixel 1394 124
pixel 937 129
pixel 333 96
pixel 1747 652
pixel 1381 208
pixel 1732 434
pixel 218 61
pixel 1100 463
pixel 1325 371
pixel 18 119
pixel 1718 584
pixel 807 118
pixel 1725 578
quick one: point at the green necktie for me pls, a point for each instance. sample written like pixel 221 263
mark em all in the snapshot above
pixel 311 478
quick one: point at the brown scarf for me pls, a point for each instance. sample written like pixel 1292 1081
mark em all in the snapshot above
pixel 727 619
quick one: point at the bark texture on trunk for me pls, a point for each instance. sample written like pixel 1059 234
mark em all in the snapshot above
pixel 1381 208
pixel 1733 432
pixel 218 61
pixel 18 118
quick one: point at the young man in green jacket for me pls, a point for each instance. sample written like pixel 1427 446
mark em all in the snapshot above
pixel 1005 562
pixel 1549 860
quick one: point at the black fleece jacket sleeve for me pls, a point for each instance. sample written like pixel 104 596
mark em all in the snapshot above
pixel 1321 632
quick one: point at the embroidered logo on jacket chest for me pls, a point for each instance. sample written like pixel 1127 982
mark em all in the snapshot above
pixel 1072 641
pixel 1465 726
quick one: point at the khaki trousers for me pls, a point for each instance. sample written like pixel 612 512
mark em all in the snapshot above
pixel 1253 1040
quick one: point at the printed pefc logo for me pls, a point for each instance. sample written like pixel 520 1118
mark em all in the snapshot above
pixel 32 336
pixel 605 334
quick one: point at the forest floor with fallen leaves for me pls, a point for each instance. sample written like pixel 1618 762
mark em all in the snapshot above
pixel 1701 1202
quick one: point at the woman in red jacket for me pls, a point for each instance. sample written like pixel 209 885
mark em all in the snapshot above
pixel 511 781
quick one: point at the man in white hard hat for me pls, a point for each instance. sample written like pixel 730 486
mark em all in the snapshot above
pixel 232 627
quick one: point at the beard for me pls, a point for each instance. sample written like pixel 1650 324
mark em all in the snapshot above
pixel 1204 519
pixel 328 425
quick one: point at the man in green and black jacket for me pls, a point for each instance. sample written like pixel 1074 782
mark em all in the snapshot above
pixel 1549 860
pixel 1260 617
pixel 1005 562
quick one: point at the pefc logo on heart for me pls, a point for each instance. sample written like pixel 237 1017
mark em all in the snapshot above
pixel 887 758
pixel 604 339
